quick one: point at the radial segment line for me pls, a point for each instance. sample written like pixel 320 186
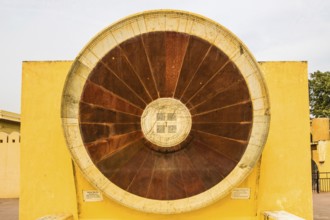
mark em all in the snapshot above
pixel 114 73
pixel 205 159
pixel 194 170
pixel 150 68
pixel 138 171
pixel 114 94
pixel 199 65
pixel 132 90
pixel 138 76
pixel 152 176
pixel 217 93
pixel 90 144
pixel 227 138
pixel 111 109
pixel 209 80
pixel 125 163
pixel 177 81
pixel 181 176
pixel 108 123
pixel 228 122
pixel 120 149
pixel 216 151
pixel 168 173
pixel 216 109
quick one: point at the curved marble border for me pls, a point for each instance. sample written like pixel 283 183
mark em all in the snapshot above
pixel 165 20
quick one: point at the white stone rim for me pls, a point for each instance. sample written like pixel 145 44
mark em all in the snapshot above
pixel 165 20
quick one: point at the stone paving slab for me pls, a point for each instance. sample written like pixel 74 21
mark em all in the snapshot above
pixel 9 209
pixel 321 206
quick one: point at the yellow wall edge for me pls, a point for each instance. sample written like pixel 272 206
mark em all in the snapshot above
pixel 47 180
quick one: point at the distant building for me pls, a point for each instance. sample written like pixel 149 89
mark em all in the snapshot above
pixel 9 154
pixel 320 147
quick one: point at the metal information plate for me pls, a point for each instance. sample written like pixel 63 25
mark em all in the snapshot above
pixel 92 196
pixel 241 193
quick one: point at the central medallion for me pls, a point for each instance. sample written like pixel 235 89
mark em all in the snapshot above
pixel 166 122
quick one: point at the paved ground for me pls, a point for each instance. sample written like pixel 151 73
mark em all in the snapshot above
pixel 9 207
pixel 321 206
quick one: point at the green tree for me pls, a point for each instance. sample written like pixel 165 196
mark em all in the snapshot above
pixel 319 94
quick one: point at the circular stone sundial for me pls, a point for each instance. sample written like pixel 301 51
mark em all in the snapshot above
pixel 165 111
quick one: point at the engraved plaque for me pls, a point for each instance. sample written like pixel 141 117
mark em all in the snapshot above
pixel 241 193
pixel 92 196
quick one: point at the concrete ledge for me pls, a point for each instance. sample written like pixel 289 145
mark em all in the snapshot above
pixel 9 116
pixel 280 215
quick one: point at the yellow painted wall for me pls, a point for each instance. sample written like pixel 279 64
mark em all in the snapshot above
pixel 49 185
pixel 47 181
pixel 285 178
pixel 9 164
pixel 226 208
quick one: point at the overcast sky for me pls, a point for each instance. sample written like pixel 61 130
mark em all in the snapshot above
pixel 273 30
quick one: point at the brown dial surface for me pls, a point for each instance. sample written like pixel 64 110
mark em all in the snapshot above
pixel 158 162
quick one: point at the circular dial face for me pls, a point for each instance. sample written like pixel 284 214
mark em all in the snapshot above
pixel 129 146
pixel 164 116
